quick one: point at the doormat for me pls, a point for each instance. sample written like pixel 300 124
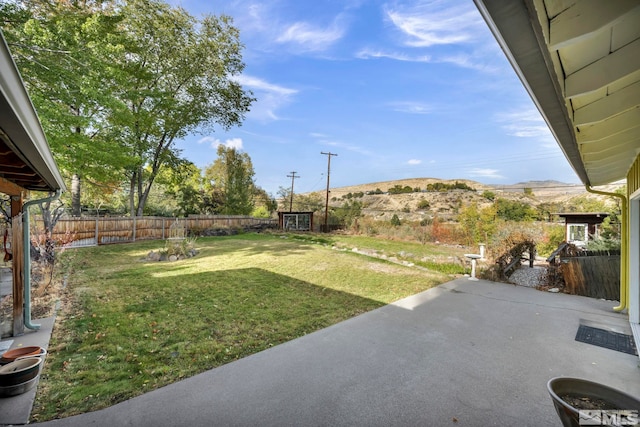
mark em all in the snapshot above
pixel 607 339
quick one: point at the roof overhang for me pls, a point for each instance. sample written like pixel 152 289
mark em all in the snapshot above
pixel 26 162
pixel 580 62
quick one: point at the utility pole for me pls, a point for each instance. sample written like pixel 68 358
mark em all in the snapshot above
pixel 293 177
pixel 326 206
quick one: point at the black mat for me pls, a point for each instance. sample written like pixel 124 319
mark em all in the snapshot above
pixel 607 339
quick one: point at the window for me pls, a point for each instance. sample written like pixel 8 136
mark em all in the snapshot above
pixel 300 222
pixel 577 234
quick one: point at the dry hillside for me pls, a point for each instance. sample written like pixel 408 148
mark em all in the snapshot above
pixel 446 204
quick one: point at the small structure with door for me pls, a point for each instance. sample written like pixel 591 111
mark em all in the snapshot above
pixel 581 227
pixel 295 221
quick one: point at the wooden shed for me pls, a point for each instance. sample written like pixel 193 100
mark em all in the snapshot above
pixel 26 164
pixel 580 227
pixel 295 221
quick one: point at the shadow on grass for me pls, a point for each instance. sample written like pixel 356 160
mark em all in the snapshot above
pixel 157 331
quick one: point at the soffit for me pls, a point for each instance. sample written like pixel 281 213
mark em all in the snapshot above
pixel 580 62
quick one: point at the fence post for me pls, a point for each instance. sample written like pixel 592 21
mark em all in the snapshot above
pixel 163 228
pixel 134 228
pixel 97 230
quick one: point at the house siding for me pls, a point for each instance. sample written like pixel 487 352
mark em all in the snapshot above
pixel 633 177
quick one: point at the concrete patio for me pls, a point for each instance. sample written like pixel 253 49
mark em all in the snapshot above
pixel 467 353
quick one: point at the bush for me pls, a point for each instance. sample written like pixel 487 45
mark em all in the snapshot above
pixel 395 221
pixel 553 236
pixel 424 204
pixel 181 248
pixel 489 195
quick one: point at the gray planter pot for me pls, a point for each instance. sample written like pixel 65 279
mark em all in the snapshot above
pixel 616 400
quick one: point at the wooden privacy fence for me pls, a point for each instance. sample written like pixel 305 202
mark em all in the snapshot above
pixel 594 274
pixel 92 231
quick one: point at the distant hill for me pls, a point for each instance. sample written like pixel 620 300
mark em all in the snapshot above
pixel 446 204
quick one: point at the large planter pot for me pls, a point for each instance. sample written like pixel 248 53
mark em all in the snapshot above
pixel 571 395
pixel 19 371
pixel 14 390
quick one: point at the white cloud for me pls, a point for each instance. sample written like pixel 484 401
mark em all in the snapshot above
pixel 369 53
pixel 327 141
pixel 525 123
pixel 414 162
pixel 473 62
pixel 270 97
pixel 485 173
pixel 307 37
pixel 436 23
pixel 412 107
pixel 215 142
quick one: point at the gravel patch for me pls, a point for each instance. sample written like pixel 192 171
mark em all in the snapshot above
pixel 529 276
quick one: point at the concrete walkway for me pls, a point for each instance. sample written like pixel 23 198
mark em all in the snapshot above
pixel 467 353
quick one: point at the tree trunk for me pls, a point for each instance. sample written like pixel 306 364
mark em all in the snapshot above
pixel 132 194
pixel 76 209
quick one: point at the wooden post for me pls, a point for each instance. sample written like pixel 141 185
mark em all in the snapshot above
pixel 532 255
pixel 18 273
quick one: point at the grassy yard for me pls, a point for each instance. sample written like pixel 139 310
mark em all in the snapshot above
pixel 127 325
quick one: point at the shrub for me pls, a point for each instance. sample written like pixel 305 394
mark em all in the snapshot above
pixel 552 236
pixel 489 195
pixel 395 221
pixel 424 204
pixel 181 248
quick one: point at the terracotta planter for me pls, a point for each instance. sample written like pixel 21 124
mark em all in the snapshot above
pixel 20 371
pixel 610 398
pixel 11 355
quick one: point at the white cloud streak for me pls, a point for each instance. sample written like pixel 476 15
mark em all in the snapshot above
pixel 525 123
pixel 433 23
pixel 310 38
pixel 379 54
pixel 215 142
pixel 485 173
pixel 270 98
pixel 412 107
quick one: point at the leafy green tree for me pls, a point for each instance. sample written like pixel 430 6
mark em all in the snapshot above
pixel 232 173
pixel 185 185
pixel 177 78
pixel 478 224
pixel 348 213
pixel 63 51
pixel 262 199
pixel 587 204
pixel 313 202
pixel 511 210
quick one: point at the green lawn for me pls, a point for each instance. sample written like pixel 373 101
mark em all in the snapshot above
pixel 127 326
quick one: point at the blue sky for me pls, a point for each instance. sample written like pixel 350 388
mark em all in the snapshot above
pixel 397 89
